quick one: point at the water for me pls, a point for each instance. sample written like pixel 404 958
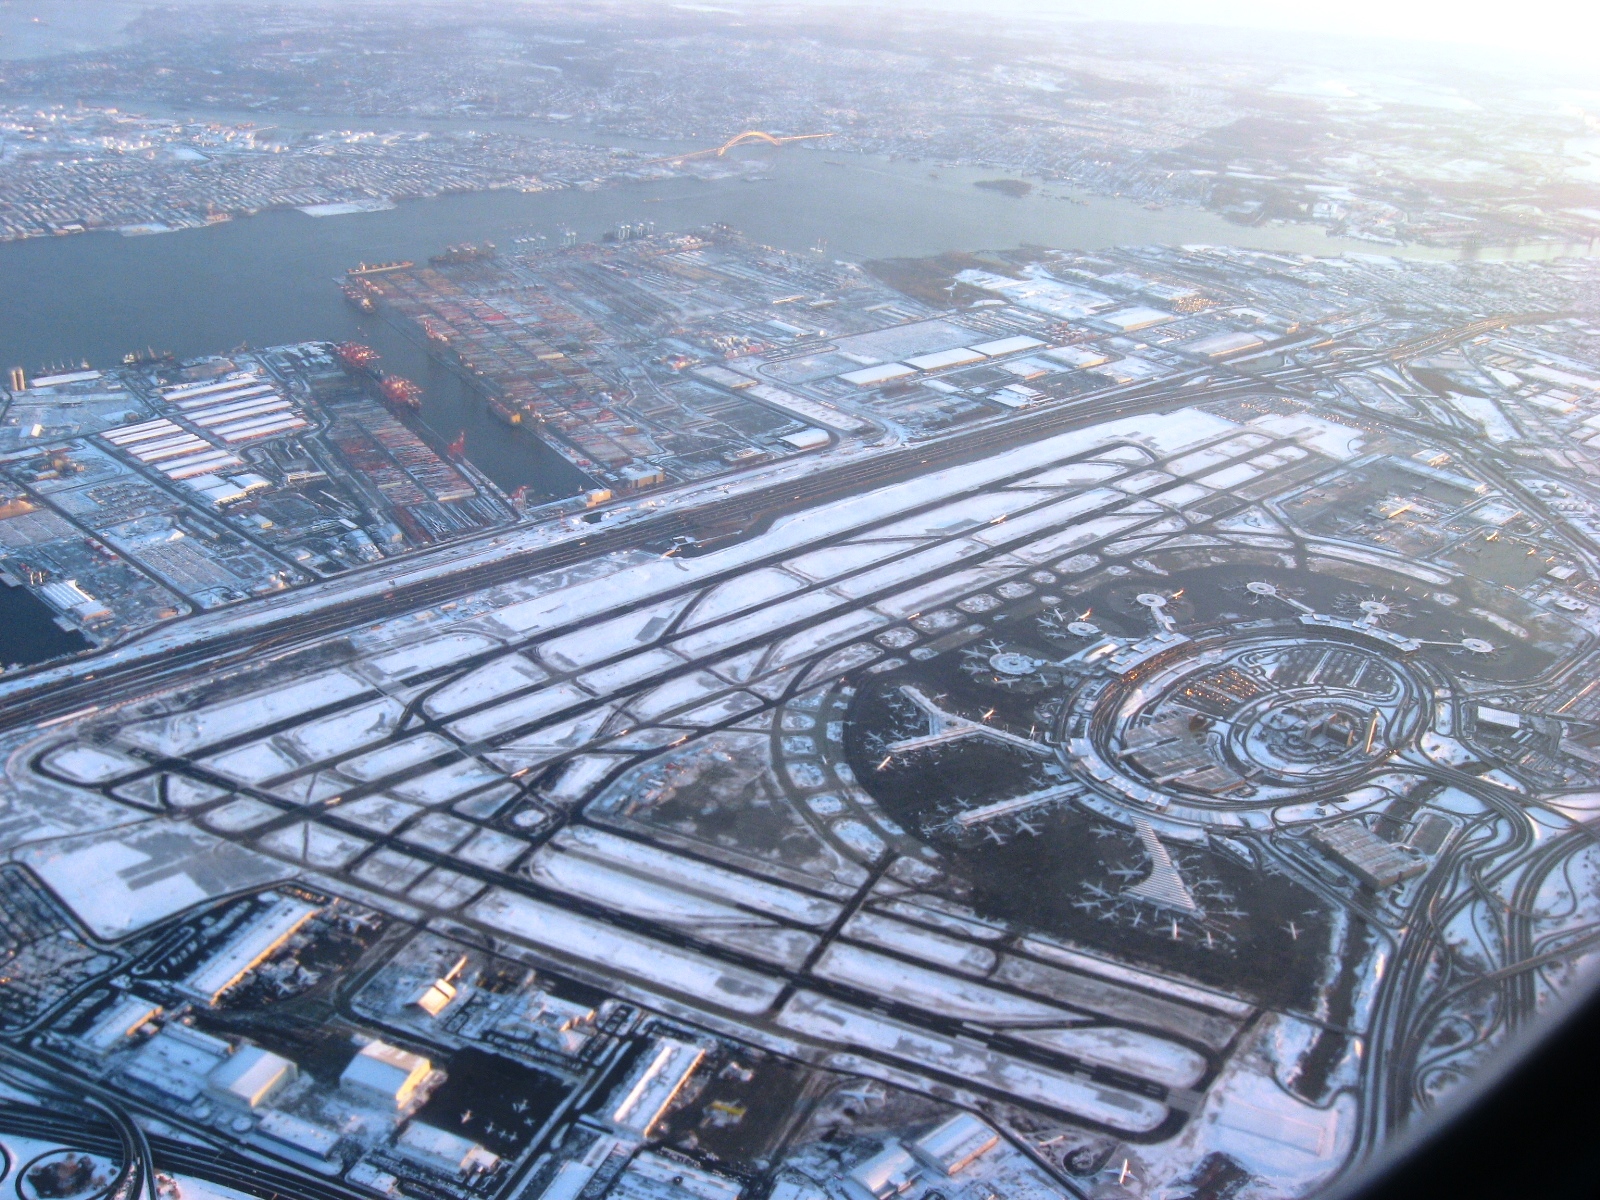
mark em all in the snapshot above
pixel 36 28
pixel 28 632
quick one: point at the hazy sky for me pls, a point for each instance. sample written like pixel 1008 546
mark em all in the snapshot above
pixel 1543 24
pixel 1568 28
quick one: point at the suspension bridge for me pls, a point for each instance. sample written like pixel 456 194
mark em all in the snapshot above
pixel 741 139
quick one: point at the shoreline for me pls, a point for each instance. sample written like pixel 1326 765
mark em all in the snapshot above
pixel 1040 188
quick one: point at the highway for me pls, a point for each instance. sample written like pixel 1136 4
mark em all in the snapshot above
pixel 735 515
pixel 86 1115
pixel 213 1164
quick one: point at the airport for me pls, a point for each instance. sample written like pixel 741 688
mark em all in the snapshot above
pixel 1065 767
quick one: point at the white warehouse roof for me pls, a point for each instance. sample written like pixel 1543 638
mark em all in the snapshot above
pixel 1217 345
pixel 888 1173
pixel 808 438
pixel 385 1074
pixel 661 1074
pixel 1008 345
pixel 443 1150
pixel 281 1129
pixel 1129 319
pixel 937 361
pixel 1078 356
pixel 955 1144
pixel 251 1077
pixel 248 947
pixel 868 376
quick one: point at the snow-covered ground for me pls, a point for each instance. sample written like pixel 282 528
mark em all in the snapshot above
pixel 697 876
pixel 833 1021
pixel 590 689
pixel 681 971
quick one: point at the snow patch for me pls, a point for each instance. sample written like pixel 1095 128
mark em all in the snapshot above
pixel 513 673
pixel 740 593
pixel 184 733
pixel 438 787
pixel 1125 1050
pixel 676 693
pixel 932 991
pixel 650 860
pixel 123 880
pixel 614 950
pixel 573 651
pixel 843 1024
pixel 632 670
pixel 425 656
pixel 524 710
pixel 340 732
pixel 824 636
pixel 395 757
pixel 90 764
pixel 255 763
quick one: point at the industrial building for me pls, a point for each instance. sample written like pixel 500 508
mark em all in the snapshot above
pixel 1498 719
pixel 652 1176
pixel 385 1076
pixel 294 1137
pixel 886 1174
pixel 434 998
pixel 956 1144
pixel 177 1062
pixel 662 1071
pixel 440 993
pixel 1377 863
pixel 248 948
pixel 573 1175
pixel 440 1150
pixel 251 1078
pixel 182 1063
pixel 117 1024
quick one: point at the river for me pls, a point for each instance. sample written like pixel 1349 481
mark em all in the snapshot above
pixel 270 279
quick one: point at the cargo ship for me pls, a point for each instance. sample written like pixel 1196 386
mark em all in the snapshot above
pixel 501 411
pixel 357 297
pixel 466 252
pixel 361 269
pixel 395 390
pixel 147 355
pixel 355 355
pixel 400 392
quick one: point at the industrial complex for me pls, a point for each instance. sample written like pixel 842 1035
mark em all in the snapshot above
pixel 998 749
pixel 136 495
